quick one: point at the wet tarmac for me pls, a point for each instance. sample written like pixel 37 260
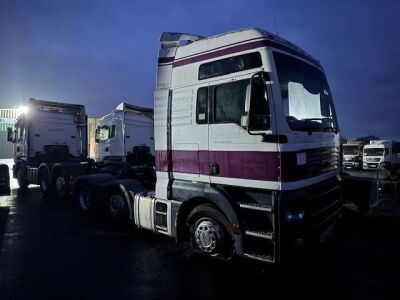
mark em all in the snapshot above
pixel 49 250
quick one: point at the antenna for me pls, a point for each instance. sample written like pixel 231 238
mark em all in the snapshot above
pixel 276 26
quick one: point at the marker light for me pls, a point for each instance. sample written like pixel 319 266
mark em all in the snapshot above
pixel 295 216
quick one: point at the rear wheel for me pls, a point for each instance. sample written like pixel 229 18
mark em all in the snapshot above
pixel 118 206
pixel 210 232
pixel 85 198
pixel 44 181
pixel 61 184
pixel 22 180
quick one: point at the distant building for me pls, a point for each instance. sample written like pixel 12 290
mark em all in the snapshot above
pixel 7 119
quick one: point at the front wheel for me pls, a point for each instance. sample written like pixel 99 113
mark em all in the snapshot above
pixel 210 232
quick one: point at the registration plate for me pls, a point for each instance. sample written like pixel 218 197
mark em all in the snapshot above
pixel 326 234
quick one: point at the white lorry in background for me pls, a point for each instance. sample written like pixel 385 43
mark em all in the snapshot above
pixel 246 149
pixel 125 128
pixel 124 149
pixel 45 137
pixel 353 154
pixel 379 152
pixel 50 144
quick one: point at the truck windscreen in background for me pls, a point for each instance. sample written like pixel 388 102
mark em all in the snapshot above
pixel 350 150
pixel 306 97
pixel 375 151
pixel 105 133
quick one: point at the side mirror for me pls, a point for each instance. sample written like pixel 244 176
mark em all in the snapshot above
pixel 258 115
pixel 96 135
pixel 10 135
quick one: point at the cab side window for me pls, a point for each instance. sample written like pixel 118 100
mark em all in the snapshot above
pixel 230 101
pixel 19 132
pixel 202 106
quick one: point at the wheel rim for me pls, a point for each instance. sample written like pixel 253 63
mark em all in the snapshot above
pixel 208 236
pixel 84 198
pixel 117 204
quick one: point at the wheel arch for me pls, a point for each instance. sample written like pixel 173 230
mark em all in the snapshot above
pixel 212 195
pixel 128 187
pixel 45 167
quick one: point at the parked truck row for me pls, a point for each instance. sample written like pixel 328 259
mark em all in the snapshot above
pixel 371 156
pixel 240 156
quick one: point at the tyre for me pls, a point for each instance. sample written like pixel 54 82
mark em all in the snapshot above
pixel 22 180
pixel 85 198
pixel 44 181
pixel 210 232
pixel 117 206
pixel 61 184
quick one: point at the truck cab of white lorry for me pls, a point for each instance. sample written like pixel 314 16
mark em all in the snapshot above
pixel 126 127
pixel 124 152
pixel 246 144
pixel 353 154
pixel 47 134
pixel 378 152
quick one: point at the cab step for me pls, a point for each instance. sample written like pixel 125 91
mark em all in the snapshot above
pixel 261 234
pixel 264 258
pixel 256 206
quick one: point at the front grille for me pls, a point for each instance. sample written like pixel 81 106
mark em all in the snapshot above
pixel 373 159
pixel 318 161
pixel 322 160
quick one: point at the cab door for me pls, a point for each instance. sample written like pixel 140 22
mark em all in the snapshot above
pixel 237 152
pixel 189 120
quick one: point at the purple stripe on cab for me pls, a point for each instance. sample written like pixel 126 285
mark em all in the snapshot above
pixel 165 60
pixel 242 47
pixel 233 164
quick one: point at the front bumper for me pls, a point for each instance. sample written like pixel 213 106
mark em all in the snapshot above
pixel 372 166
pixel 293 222
pixel 322 204
pixel 351 164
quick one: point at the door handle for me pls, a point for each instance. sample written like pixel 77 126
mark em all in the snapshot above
pixel 214 169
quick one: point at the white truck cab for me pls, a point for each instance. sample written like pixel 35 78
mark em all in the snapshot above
pixel 125 128
pixel 380 151
pixel 246 144
pixel 47 134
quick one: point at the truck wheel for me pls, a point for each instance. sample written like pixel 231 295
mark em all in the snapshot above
pixel 85 198
pixel 44 182
pixel 210 232
pixel 22 181
pixel 118 206
pixel 61 184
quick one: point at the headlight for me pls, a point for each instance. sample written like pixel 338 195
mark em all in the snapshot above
pixel 295 216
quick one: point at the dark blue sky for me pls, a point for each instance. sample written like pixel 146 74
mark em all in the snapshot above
pixel 99 53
